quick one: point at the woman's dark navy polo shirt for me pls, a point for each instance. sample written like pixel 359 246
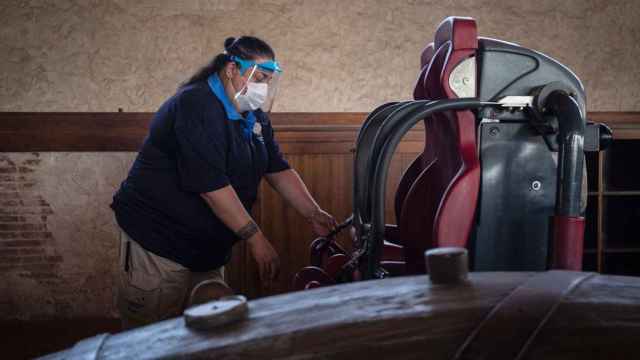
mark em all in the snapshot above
pixel 197 143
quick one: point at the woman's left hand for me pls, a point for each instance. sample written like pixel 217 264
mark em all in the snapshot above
pixel 322 222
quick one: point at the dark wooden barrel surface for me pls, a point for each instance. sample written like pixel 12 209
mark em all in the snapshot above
pixel 552 315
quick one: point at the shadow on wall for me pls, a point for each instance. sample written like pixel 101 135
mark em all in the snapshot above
pixel 29 339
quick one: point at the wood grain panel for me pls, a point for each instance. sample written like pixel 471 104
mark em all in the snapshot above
pixel 118 131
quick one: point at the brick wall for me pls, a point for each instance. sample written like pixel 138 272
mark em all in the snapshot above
pixel 25 242
pixel 27 246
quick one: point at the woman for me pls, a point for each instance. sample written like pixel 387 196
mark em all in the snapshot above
pixel 188 195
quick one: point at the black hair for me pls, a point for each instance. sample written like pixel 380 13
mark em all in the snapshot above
pixel 245 47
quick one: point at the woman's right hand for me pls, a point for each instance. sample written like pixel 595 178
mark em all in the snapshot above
pixel 266 258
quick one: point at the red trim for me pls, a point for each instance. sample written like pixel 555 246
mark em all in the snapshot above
pixel 568 242
pixel 457 207
pixel 427 55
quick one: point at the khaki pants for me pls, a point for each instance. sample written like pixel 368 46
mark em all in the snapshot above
pixel 152 288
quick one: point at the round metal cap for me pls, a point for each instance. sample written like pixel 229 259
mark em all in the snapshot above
pixel 216 313
pixel 447 265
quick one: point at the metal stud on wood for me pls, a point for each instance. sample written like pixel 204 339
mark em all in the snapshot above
pixel 447 265
pixel 216 313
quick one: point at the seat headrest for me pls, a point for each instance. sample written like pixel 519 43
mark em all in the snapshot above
pixel 427 55
pixel 419 92
pixel 461 31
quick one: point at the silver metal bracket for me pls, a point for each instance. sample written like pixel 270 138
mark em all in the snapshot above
pixel 462 80
pixel 520 102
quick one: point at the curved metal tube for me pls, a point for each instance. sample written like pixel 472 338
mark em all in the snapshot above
pixel 571 152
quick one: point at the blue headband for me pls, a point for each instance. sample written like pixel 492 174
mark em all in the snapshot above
pixel 270 65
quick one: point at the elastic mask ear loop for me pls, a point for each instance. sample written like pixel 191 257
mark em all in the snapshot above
pixel 247 83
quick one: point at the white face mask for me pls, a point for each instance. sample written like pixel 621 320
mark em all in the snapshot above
pixel 253 98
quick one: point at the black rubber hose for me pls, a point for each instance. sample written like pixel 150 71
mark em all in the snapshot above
pixel 402 109
pixel 369 119
pixel 362 156
pixel 398 127
pixel 571 151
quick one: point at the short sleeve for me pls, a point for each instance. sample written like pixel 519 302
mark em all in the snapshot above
pixel 277 162
pixel 202 145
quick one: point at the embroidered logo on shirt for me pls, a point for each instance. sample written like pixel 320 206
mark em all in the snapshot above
pixel 257 130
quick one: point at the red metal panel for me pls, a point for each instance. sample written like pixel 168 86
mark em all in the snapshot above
pixel 439 208
pixel 568 240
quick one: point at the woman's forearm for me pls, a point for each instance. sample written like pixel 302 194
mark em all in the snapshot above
pixel 226 205
pixel 291 187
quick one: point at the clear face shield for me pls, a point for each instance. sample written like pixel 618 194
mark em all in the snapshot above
pixel 262 84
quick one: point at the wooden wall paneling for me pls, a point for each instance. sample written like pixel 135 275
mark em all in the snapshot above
pixel 125 131
pixel 33 132
pixel 623 124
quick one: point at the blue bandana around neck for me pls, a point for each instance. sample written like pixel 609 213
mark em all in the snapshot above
pixel 218 89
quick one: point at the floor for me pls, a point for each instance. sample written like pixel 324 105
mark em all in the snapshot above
pixel 28 339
